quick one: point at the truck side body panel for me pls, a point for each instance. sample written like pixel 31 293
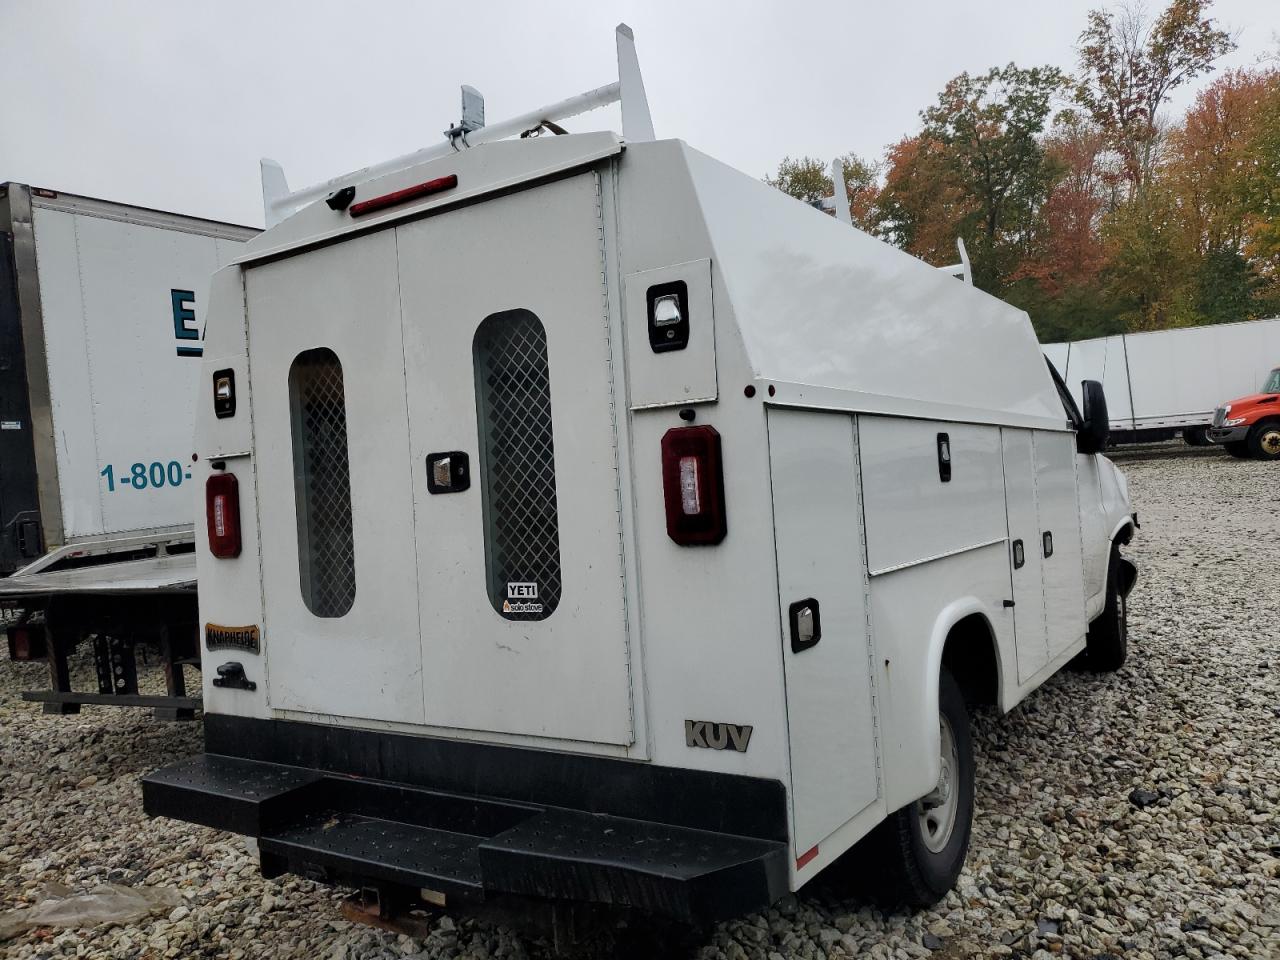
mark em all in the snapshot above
pixel 102 306
pixel 120 303
pixel 1169 379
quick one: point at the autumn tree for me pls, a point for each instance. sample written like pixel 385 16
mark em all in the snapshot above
pixel 1065 249
pixel 1210 168
pixel 922 208
pixel 977 170
pixel 1261 183
pixel 1150 261
pixel 1129 65
pixel 1210 162
pixel 1114 216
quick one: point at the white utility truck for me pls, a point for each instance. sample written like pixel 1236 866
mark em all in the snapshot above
pixel 589 522
pixel 100 344
pixel 1165 382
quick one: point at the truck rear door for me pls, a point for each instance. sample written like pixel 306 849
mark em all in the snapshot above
pixel 436 448
pixel 335 502
pixel 508 359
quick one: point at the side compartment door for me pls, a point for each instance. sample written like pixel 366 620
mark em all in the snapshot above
pixel 817 520
pixel 1025 562
pixel 1060 545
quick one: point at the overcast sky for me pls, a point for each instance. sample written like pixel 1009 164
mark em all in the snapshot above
pixel 171 104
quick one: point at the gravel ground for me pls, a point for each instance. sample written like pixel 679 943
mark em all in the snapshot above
pixel 1133 815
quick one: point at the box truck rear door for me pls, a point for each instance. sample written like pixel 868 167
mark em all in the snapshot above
pixel 514 472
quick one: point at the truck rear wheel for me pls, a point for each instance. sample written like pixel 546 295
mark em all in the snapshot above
pixel 1108 642
pixel 919 851
pixel 1196 436
pixel 1238 448
pixel 1264 441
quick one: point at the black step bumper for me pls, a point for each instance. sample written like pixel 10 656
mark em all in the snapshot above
pixel 495 839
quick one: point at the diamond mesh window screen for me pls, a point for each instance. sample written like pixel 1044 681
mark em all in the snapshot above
pixel 322 483
pixel 517 465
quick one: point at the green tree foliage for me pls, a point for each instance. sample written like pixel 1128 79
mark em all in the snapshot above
pixel 988 129
pixel 805 179
pixel 809 179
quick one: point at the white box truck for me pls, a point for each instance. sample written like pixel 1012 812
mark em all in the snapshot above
pixel 101 333
pixel 591 523
pixel 1165 382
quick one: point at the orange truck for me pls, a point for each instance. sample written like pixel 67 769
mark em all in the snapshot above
pixel 1250 426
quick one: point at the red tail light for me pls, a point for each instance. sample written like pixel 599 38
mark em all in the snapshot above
pixel 222 509
pixel 693 485
pixel 26 642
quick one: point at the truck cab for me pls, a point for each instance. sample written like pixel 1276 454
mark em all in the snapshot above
pixel 1250 426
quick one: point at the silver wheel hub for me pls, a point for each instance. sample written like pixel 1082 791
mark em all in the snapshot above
pixel 938 808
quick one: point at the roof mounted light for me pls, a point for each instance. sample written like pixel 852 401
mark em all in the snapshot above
pixel 416 192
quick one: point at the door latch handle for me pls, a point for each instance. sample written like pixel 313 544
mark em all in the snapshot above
pixel 1008 604
pixel 806 625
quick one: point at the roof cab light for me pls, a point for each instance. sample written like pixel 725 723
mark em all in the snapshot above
pixel 222 510
pixel 416 192
pixel 693 485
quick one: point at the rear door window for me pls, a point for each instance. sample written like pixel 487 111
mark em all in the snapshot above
pixel 517 465
pixel 322 483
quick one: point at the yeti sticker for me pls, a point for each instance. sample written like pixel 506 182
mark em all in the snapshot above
pixel 522 597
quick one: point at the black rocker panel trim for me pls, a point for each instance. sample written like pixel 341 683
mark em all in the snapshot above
pixel 703 800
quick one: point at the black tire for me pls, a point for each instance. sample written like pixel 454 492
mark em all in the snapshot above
pixel 1108 642
pixel 897 851
pixel 1238 448
pixel 1264 440
pixel 1196 436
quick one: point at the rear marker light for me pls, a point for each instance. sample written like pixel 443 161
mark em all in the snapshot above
pixel 222 510
pixel 805 857
pixel 404 196
pixel 693 485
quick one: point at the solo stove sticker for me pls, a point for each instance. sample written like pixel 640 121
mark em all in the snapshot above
pixel 522 597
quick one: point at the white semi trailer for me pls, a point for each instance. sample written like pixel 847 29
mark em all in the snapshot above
pixel 101 334
pixel 589 522
pixel 1165 382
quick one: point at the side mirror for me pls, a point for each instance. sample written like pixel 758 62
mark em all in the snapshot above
pixel 1093 436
